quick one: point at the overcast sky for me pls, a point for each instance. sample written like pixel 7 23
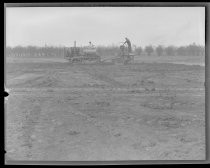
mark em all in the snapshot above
pixel 105 25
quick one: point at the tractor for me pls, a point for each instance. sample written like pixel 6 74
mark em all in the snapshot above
pixel 82 54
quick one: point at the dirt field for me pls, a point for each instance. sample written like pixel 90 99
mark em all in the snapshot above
pixel 145 111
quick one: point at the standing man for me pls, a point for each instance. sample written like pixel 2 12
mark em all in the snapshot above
pixel 90 44
pixel 129 44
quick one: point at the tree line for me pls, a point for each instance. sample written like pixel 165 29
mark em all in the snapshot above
pixel 189 50
pixel 34 51
pixel 50 51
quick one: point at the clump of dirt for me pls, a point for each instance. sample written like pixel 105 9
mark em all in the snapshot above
pixel 135 91
pixel 48 81
pixel 117 134
pixel 169 122
pixel 70 98
pixel 148 85
pixel 144 144
pixel 188 139
pixel 159 103
pixel 92 108
pixel 95 85
pixel 102 103
pixel 72 132
pixel 97 107
pixel 165 100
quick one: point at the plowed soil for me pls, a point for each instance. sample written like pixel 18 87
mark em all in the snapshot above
pixel 144 111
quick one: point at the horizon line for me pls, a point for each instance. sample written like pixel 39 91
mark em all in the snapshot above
pixel 109 45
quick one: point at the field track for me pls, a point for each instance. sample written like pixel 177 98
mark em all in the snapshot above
pixel 146 111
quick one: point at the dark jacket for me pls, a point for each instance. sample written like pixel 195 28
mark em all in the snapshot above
pixel 129 44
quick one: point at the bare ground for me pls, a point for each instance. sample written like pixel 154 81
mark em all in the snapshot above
pixel 144 111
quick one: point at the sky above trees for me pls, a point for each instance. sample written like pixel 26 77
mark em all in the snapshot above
pixel 60 26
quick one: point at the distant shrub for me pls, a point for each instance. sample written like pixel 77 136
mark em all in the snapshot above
pixel 149 50
pixel 159 50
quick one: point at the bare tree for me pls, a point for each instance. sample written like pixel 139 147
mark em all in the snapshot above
pixel 139 50
pixel 149 50
pixel 159 50
pixel 170 50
